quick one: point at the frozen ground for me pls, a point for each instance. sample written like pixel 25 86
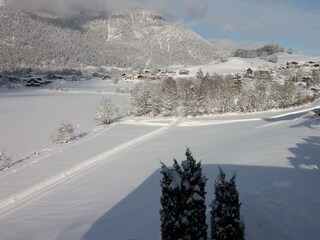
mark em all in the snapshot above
pixel 106 185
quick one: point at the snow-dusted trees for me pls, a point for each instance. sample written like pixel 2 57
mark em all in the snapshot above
pixel 171 200
pixel 226 222
pixel 4 160
pixel 215 94
pixel 183 213
pixel 141 99
pixel 104 112
pixel 193 185
pixel 65 133
pixel 169 96
pixel 154 98
pixel 266 50
pixel 193 102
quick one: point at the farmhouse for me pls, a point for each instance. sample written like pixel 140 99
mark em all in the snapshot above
pixel 249 71
pixel 33 82
pixel 184 72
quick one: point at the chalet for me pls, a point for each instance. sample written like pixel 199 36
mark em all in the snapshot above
pixel 54 76
pixel 249 71
pixel 314 89
pixel 34 82
pixel 75 78
pixel 306 79
pixel 140 76
pixel 184 72
pixel 106 77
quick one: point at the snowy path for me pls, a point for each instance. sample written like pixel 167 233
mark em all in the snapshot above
pixel 58 167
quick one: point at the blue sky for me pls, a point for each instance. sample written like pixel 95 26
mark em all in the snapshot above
pixel 290 23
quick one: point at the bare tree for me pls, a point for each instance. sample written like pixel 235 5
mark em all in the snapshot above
pixel 104 112
pixel 65 133
pixel 4 161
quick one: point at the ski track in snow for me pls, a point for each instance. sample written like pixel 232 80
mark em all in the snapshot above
pixel 195 123
pixel 54 151
pixel 79 168
pixel 60 177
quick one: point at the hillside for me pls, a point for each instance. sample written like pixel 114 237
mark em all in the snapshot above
pixel 138 39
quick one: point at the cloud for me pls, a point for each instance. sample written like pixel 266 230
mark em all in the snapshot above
pixel 71 6
pixel 233 45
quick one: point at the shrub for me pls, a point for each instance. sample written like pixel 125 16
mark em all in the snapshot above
pixel 4 161
pixel 65 133
pixel 104 113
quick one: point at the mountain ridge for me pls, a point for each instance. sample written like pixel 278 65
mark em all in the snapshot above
pixel 137 38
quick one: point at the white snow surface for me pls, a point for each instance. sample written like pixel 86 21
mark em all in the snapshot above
pixel 240 65
pixel 106 184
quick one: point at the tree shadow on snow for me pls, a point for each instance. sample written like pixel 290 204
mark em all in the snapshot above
pixel 308 122
pixel 277 203
pixel 285 117
pixel 306 154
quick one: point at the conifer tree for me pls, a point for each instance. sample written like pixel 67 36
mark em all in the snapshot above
pixel 183 213
pixel 172 203
pixel 193 187
pixel 226 222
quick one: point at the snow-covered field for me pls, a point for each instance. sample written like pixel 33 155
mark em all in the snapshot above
pixel 106 184
pixel 240 65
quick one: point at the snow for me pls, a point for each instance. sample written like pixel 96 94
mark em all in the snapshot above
pixel 106 184
pixel 176 180
pixel 240 65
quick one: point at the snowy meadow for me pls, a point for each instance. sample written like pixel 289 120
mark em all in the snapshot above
pixel 105 185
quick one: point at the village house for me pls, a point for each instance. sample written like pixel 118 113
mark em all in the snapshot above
pixel 249 72
pixel 34 82
pixel 184 72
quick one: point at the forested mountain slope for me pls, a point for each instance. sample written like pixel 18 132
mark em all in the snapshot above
pixel 135 39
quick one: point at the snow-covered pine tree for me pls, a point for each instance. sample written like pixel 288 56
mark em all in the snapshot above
pixel 183 213
pixel 226 222
pixel 172 203
pixel 104 112
pixel 193 188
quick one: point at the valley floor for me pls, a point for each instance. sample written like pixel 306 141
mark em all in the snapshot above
pixel 106 185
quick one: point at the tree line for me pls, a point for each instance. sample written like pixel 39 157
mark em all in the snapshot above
pixel 213 94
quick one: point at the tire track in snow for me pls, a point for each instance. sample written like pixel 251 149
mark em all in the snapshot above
pixel 79 168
